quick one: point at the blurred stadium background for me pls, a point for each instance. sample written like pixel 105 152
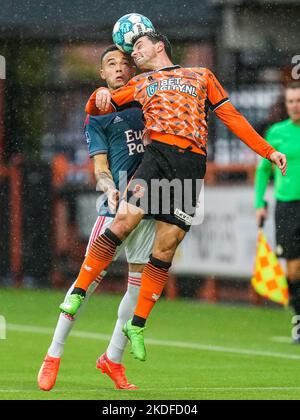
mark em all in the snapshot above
pixel 47 193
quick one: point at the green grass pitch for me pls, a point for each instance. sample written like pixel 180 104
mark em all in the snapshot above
pixel 195 351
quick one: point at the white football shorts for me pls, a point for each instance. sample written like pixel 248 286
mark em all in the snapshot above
pixel 138 246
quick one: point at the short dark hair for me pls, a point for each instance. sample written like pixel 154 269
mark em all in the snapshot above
pixel 293 85
pixel 107 50
pixel 155 37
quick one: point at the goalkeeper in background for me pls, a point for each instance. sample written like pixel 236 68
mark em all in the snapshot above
pixel 285 137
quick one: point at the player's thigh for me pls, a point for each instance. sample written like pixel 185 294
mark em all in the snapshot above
pixel 167 239
pixel 179 192
pixel 127 218
pixel 139 244
pixel 136 268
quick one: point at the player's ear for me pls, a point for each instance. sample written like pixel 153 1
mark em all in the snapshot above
pixel 102 74
pixel 160 47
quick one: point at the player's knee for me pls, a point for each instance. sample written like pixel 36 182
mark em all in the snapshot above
pixel 293 274
pixel 165 249
pixel 166 255
pixel 293 270
pixel 136 268
pixel 121 228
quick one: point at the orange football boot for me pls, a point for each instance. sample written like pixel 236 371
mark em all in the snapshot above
pixel 115 371
pixel 48 373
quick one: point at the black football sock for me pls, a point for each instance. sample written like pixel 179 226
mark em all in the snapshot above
pixel 78 291
pixel 138 321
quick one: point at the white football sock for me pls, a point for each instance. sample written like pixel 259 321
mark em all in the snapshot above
pixel 127 306
pixel 65 324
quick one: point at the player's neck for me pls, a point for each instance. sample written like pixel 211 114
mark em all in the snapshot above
pixel 160 63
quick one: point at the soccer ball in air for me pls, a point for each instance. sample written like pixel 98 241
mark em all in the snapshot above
pixel 129 26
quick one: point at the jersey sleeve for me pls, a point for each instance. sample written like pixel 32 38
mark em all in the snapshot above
pixel 262 177
pixel 124 95
pixel 238 125
pixel 216 94
pixel 263 174
pixel 120 97
pixel 95 138
pixel 91 108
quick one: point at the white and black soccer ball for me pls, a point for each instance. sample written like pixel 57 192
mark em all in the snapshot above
pixel 129 26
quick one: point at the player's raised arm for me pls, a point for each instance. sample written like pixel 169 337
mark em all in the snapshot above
pixel 262 177
pixel 237 123
pixel 92 107
pixel 103 101
pixel 243 129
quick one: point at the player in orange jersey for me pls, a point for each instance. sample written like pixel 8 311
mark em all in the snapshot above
pixel 175 103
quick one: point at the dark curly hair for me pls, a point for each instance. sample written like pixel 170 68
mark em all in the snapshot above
pixel 155 37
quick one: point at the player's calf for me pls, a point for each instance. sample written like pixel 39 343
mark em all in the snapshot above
pixel 98 259
pixel 154 278
pixel 127 218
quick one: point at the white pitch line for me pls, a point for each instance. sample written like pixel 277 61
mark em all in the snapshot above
pixel 50 331
pixel 281 388
pixel 163 343
pixel 221 349
pixel 187 389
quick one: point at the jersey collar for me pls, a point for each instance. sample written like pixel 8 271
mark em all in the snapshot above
pixel 177 66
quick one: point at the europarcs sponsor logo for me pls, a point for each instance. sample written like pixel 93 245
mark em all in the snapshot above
pixel 2 68
pixel 2 328
pixel 296 67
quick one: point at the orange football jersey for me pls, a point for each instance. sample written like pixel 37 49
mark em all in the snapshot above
pixel 176 101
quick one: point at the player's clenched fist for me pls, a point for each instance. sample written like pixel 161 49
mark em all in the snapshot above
pixel 280 160
pixel 103 98
pixel 113 200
